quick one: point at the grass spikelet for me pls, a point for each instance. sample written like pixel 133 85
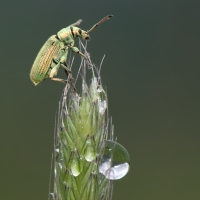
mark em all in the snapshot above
pixel 82 128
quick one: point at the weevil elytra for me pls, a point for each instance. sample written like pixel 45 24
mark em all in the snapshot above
pixel 54 52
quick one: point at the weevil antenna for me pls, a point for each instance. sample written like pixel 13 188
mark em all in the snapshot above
pixel 100 22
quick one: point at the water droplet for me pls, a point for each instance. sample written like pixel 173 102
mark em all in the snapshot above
pixel 75 164
pixel 89 149
pixel 102 106
pixel 90 153
pixel 99 89
pixel 55 172
pixel 52 194
pixel 60 165
pixel 115 163
pixel 57 150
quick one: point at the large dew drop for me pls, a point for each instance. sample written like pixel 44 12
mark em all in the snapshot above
pixel 115 163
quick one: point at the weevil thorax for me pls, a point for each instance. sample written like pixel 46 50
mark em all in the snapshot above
pixel 67 35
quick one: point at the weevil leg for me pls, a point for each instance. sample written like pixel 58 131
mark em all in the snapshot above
pixel 59 80
pixel 59 61
pixel 64 65
pixel 54 70
pixel 68 72
pixel 76 50
pixel 66 68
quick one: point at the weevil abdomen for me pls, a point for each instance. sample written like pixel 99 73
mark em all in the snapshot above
pixel 43 61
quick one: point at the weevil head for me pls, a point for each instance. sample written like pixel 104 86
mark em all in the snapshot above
pixel 77 32
pixel 85 35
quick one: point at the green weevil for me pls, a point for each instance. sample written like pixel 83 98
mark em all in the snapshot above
pixel 54 52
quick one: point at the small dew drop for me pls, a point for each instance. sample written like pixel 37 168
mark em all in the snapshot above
pixel 75 164
pixel 57 150
pixel 60 165
pixel 55 172
pixel 99 89
pixel 115 162
pixel 90 153
pixel 102 106
pixel 52 194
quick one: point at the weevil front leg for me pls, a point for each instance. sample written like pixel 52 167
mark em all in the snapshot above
pixel 76 50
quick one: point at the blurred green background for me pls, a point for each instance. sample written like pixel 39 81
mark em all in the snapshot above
pixel 151 72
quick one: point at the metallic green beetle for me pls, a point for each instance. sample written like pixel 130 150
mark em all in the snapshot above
pixel 54 52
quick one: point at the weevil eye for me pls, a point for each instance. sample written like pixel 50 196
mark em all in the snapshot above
pixel 87 37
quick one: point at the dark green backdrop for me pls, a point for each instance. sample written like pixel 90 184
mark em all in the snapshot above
pixel 151 72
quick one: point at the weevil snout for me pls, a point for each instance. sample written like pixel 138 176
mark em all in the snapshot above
pixel 85 35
